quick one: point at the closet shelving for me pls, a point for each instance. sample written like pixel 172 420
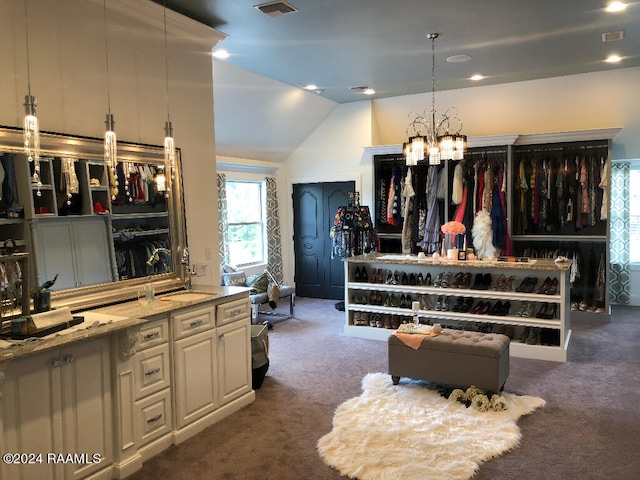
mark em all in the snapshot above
pixel 549 337
pixel 509 150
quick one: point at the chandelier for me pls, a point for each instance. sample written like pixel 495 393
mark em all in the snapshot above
pixel 437 136
pixel 31 131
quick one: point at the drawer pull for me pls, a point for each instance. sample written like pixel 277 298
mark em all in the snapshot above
pixel 151 336
pixel 155 419
pixel 56 362
pixel 69 358
pixel 236 312
pixel 152 372
pixel 195 324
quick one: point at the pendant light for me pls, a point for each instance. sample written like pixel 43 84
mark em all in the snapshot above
pixel 437 137
pixel 31 130
pixel 110 140
pixel 169 143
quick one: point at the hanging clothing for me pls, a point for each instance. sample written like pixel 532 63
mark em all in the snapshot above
pixel 408 194
pixel 604 185
pixel 432 236
pixel 456 190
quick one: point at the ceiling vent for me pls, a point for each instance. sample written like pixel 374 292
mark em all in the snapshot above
pixel 613 36
pixel 275 9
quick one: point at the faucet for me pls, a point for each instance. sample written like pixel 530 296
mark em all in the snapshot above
pixel 188 271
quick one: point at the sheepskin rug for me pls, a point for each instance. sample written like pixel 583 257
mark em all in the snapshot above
pixel 409 431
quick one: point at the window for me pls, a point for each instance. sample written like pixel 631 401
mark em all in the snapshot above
pixel 246 220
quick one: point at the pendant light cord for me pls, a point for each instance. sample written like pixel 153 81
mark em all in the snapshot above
pixel 26 34
pixel 166 57
pixel 433 83
pixel 106 55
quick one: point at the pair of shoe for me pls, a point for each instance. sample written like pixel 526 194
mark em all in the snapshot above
pixel 425 303
pixel 361 319
pixel 500 309
pixel 548 287
pixel 461 280
pixel 361 275
pixel 442 280
pixel 360 299
pixel 481 308
pixel 530 336
pixel 547 311
pixel 504 284
pixel 391 300
pixel 375 298
pixel 442 305
pixel 462 304
pixel 528 285
pixel 526 310
pixel 482 282
pixel 405 301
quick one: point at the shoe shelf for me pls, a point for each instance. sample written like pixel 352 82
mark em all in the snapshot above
pixel 537 322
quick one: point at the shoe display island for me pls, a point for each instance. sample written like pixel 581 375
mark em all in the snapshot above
pixel 527 300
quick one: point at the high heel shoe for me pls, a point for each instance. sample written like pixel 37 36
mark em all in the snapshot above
pixel 356 274
pixel 420 279
pixel 477 284
pixel 508 285
pixel 446 280
pixel 438 280
pixel 544 287
pixel 497 307
pixel 504 311
pixel 552 289
pixel 502 280
pixel 438 305
pixel 542 311
pixel 427 280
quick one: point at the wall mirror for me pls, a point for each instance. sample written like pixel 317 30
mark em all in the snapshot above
pixel 102 244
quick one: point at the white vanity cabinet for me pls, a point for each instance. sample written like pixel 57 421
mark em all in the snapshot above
pixel 234 350
pixel 59 402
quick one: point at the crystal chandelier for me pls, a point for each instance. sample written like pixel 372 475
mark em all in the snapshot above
pixel 437 136
pixel 31 130
pixel 169 144
pixel 110 140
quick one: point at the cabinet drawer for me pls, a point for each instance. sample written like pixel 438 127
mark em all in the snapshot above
pixel 153 333
pixel 151 369
pixel 232 311
pixel 153 417
pixel 192 321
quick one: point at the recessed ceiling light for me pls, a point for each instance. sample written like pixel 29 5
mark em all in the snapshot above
pixel 221 54
pixel 476 77
pixel 364 89
pixel 613 59
pixel 616 7
pixel 310 86
pixel 458 58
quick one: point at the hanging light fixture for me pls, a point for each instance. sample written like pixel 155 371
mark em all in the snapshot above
pixel 438 137
pixel 110 140
pixel 169 144
pixel 31 130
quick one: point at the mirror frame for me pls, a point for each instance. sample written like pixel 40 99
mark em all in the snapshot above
pixel 89 148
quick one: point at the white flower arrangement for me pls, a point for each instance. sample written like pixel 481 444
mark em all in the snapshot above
pixel 477 398
pixel 457 395
pixel 481 402
pixel 498 403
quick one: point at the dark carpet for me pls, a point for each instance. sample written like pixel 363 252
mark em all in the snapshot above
pixel 589 428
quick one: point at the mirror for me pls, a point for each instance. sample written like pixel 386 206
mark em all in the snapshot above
pixel 101 244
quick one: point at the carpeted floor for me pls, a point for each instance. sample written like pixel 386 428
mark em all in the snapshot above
pixel 589 428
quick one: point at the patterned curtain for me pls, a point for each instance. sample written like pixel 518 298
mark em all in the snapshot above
pixel 223 225
pixel 620 274
pixel 274 241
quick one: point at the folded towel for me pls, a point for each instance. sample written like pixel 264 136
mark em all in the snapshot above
pixel 411 340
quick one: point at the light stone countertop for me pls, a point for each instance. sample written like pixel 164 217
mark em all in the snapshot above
pixel 409 259
pixel 106 320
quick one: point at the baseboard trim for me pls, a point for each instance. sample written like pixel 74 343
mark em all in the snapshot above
pixel 197 426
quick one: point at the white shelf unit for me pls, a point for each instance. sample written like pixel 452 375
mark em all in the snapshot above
pixel 540 268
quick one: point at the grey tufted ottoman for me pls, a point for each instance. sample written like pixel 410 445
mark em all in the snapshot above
pixel 454 357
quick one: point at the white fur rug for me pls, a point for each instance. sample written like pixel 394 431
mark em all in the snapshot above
pixel 409 431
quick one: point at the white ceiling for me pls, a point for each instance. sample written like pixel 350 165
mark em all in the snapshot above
pixel 338 44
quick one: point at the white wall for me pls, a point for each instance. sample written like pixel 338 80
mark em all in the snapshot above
pixel 68 77
pixel 581 102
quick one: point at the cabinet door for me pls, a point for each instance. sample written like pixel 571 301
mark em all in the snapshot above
pixel 92 251
pixel 32 416
pixel 86 402
pixel 195 377
pixel 55 253
pixel 234 360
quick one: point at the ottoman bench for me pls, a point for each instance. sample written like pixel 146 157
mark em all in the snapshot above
pixel 454 357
